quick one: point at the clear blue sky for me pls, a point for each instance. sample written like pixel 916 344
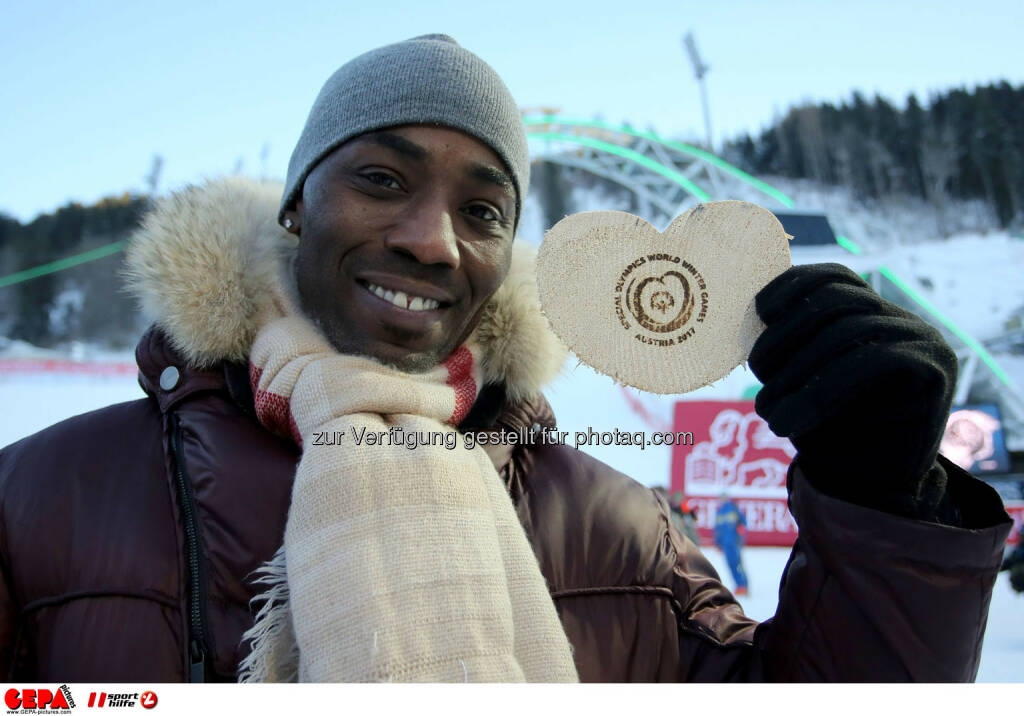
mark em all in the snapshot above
pixel 91 90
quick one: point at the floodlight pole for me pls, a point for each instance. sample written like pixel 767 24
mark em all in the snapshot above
pixel 699 70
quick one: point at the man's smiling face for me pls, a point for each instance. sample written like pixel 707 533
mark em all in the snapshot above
pixel 405 235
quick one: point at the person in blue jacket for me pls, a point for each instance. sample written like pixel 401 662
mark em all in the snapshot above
pixel 730 529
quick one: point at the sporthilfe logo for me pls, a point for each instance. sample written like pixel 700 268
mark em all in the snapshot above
pixel 100 699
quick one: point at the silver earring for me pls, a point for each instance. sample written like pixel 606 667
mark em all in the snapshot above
pixel 288 223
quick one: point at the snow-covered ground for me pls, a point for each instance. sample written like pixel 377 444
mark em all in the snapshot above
pixel 33 401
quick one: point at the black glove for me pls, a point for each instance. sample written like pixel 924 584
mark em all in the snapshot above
pixel 861 387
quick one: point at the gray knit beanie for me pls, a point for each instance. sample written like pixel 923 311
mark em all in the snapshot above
pixel 426 80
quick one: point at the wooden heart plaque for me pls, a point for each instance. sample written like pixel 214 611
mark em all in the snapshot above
pixel 664 312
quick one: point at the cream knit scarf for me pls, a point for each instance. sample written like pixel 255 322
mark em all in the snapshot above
pixel 398 564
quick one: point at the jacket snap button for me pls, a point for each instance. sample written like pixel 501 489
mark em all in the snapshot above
pixel 169 378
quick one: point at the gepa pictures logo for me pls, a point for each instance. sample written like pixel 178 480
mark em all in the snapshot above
pixel 18 700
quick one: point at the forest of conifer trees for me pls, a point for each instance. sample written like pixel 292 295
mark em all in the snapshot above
pixel 965 144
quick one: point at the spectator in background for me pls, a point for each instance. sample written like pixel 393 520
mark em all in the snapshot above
pixel 689 513
pixel 730 531
pixel 1014 563
pixel 684 514
pixel 676 515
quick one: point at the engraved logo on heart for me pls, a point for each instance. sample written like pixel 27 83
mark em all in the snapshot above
pixel 657 291
pixel 660 304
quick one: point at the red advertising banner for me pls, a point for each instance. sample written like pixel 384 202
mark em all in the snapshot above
pixel 1015 508
pixel 55 365
pixel 734 452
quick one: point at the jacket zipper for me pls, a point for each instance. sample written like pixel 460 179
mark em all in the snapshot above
pixel 197 650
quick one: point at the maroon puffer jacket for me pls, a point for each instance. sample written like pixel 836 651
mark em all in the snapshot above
pixel 127 536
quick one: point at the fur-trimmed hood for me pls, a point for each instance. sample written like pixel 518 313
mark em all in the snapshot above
pixel 209 261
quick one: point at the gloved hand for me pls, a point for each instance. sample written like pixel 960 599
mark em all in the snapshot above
pixel 860 386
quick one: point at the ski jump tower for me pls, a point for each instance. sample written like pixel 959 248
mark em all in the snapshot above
pixel 666 177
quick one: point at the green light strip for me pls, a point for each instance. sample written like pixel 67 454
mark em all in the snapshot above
pixel 960 333
pixel 61 264
pixel 848 245
pixel 710 158
pixel 971 342
pixel 629 154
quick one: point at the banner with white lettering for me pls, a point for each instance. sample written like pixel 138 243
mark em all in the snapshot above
pixel 734 453
pixel 1015 508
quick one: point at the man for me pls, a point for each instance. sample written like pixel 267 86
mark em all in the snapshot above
pixel 131 537
pixel 730 530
